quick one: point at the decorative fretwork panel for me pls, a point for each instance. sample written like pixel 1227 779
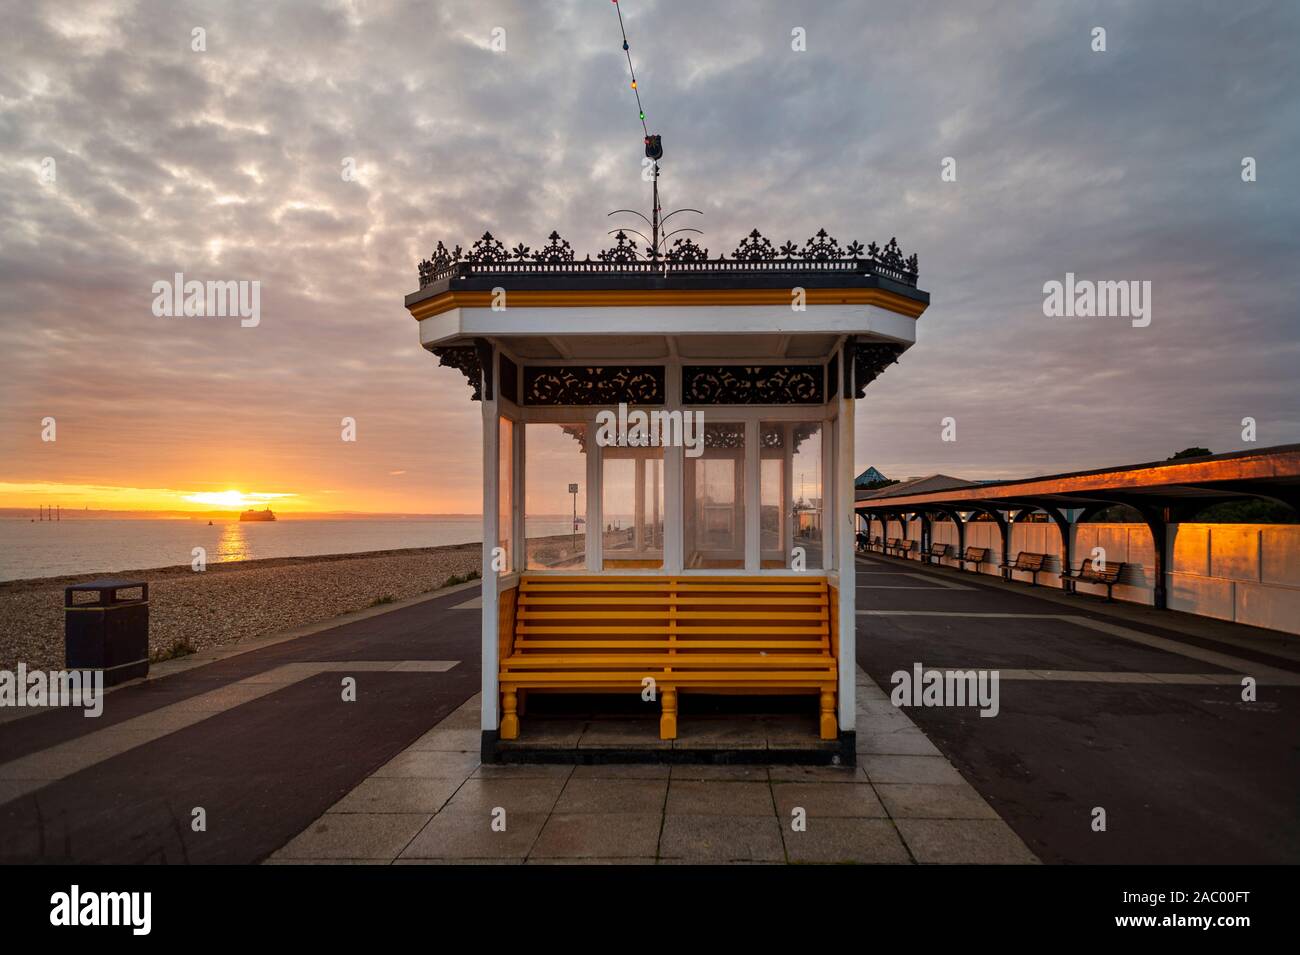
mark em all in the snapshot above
pixel 594 385
pixel 753 385
pixel 755 253
pixel 869 360
pixel 724 435
pixel 465 359
pixel 772 437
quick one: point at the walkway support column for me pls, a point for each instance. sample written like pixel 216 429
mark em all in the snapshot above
pixel 953 515
pixel 1157 521
pixel 1064 527
pixel 996 515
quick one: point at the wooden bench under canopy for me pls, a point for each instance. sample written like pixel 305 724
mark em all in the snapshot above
pixel 690 634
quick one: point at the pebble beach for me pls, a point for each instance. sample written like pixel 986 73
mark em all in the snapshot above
pixel 232 601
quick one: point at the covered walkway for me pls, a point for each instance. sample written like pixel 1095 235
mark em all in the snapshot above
pixel 1164 494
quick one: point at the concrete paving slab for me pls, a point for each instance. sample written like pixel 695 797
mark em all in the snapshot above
pixel 838 841
pixel 623 734
pixel 430 764
pixel 504 860
pixel 398 794
pixel 450 740
pixel 731 773
pixel 355 836
pixel 930 801
pixel 459 835
pixel 934 770
pixel 904 743
pixel 601 835
pixel 551 733
pixel 815 774
pixel 523 771
pixel 719 734
pixel 964 841
pixel 275 861
pixel 822 800
pixel 623 771
pixel 597 796
pixel 648 860
pixel 719 798
pixel 483 796
pixel 721 839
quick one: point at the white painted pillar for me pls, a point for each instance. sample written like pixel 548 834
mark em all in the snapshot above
pixel 595 500
pixel 638 506
pixel 489 715
pixel 519 559
pixel 673 472
pixel 750 469
pixel 787 496
pixel 842 481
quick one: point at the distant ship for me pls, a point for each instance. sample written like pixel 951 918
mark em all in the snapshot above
pixel 252 515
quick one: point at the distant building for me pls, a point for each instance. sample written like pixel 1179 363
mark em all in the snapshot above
pixel 914 485
pixel 869 478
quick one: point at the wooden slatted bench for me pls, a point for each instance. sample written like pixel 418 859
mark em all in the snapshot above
pixel 1026 563
pixel 1108 576
pixel 937 552
pixel 608 634
pixel 901 546
pixel 876 544
pixel 974 555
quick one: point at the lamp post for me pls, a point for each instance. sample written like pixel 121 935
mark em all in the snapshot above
pixel 573 489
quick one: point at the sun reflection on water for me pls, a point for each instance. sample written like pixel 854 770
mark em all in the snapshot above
pixel 233 543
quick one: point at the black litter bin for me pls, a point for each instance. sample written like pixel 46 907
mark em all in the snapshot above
pixel 106 627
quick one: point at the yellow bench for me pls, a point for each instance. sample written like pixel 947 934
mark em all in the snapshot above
pixel 596 634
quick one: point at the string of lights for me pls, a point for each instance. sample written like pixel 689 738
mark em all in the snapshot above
pixel 654 152
pixel 632 70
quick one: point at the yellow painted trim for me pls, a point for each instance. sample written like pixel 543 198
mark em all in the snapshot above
pixel 631 298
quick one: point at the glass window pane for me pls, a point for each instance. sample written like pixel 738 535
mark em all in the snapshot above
pixel 555 490
pixel 632 507
pixel 713 508
pixel 791 494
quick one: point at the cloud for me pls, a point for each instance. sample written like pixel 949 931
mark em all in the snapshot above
pixel 226 164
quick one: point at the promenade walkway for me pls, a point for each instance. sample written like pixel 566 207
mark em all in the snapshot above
pixel 1133 710
pixel 1100 706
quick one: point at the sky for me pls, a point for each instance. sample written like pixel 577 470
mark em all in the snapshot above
pixel 226 163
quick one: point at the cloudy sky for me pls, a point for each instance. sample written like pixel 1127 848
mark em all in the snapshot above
pixel 225 163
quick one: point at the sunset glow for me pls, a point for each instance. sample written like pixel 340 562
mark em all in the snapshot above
pixel 232 499
pixel 75 497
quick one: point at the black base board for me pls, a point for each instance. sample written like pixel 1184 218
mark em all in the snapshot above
pixel 840 753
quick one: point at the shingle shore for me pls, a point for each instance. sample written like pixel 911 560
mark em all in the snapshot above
pixel 232 601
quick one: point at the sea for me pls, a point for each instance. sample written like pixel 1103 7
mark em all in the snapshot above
pixel 58 548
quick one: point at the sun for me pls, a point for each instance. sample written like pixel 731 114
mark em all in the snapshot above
pixel 230 499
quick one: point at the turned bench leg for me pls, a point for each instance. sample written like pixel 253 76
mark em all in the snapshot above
pixel 829 725
pixel 668 721
pixel 510 715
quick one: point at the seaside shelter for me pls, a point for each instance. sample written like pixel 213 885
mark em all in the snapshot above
pixel 668 480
